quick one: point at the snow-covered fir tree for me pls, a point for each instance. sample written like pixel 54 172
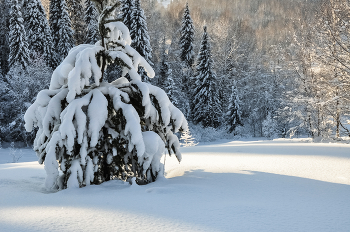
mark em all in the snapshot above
pixel 54 16
pixel 76 15
pixel 65 33
pixel 60 24
pixel 4 30
pixel 163 66
pixel 172 89
pixel 187 38
pixel 91 22
pixel 19 53
pixel 269 127
pixel 38 32
pixel 140 37
pixel 233 115
pixel 128 8
pixel 186 139
pixel 206 107
pixel 95 131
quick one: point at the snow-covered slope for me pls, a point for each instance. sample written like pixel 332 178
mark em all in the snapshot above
pixel 236 186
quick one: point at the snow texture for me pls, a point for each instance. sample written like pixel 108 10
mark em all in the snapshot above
pixel 253 185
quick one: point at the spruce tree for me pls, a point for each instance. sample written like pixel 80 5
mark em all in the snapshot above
pixel 140 37
pixel 38 31
pixel 205 105
pixel 76 15
pixel 187 38
pixel 171 89
pixel 4 42
pixel 186 139
pixel 91 23
pixel 62 34
pixel 164 67
pixel 127 9
pixel 19 53
pixel 65 33
pixel 54 16
pixel 95 131
pixel 233 115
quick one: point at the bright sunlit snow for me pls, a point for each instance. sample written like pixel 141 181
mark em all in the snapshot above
pixel 281 185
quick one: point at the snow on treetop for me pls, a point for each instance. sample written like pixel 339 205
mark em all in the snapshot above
pixel 81 64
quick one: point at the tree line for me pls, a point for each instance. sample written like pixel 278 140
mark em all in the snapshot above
pixel 254 68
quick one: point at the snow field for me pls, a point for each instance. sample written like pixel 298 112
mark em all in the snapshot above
pixel 229 186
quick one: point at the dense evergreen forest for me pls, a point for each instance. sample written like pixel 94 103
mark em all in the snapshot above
pixel 279 67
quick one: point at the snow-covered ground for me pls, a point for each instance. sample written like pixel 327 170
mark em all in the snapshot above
pixel 281 185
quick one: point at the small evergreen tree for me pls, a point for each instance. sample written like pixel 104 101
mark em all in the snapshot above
pixel 187 139
pixel 187 38
pixel 205 105
pixel 91 23
pixel 76 15
pixel 233 115
pixel 269 127
pixel 19 53
pixel 38 32
pixel 128 7
pixel 172 89
pixel 140 37
pixel 95 131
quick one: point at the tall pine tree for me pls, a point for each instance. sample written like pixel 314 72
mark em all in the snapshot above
pixel 19 53
pixel 127 9
pixel 163 67
pixel 76 15
pixel 233 115
pixel 65 33
pixel 54 16
pixel 187 38
pixel 140 37
pixel 205 105
pixel 38 31
pixel 60 24
pixel 4 42
pixel 91 23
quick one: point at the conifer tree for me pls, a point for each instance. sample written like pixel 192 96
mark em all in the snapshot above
pixel 4 43
pixel 65 33
pixel 76 15
pixel 205 105
pixel 91 23
pixel 19 53
pixel 127 9
pixel 186 139
pixel 164 67
pixel 54 16
pixel 62 34
pixel 116 130
pixel 234 114
pixel 187 38
pixel 140 37
pixel 38 31
pixel 172 89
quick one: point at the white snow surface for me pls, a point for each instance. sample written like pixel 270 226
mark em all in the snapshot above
pixel 280 185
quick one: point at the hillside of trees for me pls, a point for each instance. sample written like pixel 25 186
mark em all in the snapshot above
pixel 279 67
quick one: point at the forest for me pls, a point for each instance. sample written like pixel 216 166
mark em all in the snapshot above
pixel 276 68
